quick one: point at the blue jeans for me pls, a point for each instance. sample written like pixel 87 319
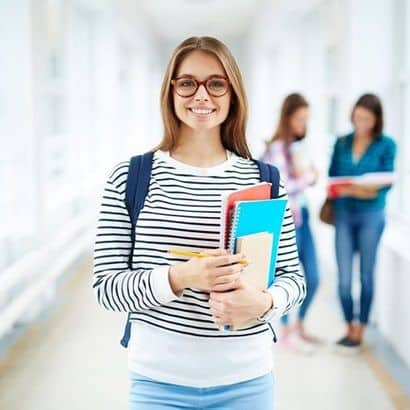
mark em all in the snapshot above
pixel 308 259
pixel 357 231
pixel 149 394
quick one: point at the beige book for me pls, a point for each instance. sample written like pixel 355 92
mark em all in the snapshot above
pixel 257 248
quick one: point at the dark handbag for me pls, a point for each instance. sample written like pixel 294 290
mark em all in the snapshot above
pixel 326 212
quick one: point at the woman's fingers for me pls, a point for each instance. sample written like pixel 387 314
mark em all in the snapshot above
pixel 219 316
pixel 229 270
pixel 217 252
pixel 216 307
pixel 221 280
pixel 225 278
pixel 233 285
pixel 225 260
pixel 225 287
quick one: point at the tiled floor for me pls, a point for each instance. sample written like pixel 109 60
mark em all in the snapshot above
pixel 326 379
pixel 73 361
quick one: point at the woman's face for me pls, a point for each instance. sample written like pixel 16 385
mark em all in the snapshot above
pixel 298 121
pixel 201 111
pixel 363 120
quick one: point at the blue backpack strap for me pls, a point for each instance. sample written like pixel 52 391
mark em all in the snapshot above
pixel 269 173
pixel 139 175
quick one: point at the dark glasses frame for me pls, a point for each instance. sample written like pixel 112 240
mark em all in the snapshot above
pixel 199 83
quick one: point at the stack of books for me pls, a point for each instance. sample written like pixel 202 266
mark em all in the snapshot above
pixel 251 223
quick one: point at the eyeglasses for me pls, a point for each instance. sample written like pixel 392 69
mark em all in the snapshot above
pixel 217 86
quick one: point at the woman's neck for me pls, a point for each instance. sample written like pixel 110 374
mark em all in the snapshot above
pixel 199 149
pixel 363 137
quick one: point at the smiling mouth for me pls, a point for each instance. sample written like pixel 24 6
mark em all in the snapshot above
pixel 201 111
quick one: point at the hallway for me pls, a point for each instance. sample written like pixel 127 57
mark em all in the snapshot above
pixel 73 361
pixel 80 91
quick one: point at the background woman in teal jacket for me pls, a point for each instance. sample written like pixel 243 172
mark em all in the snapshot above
pixel 359 212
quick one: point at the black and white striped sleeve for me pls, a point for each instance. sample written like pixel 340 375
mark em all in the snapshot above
pixel 289 288
pixel 116 286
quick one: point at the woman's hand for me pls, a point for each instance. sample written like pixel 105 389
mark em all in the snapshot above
pixel 364 192
pixel 358 191
pixel 240 305
pixel 313 175
pixel 217 272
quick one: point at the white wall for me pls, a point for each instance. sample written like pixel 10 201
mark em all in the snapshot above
pixel 368 66
pixel 80 74
pixel 271 71
pixel 17 139
pixel 75 99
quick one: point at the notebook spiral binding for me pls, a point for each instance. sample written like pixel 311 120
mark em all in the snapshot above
pixel 233 225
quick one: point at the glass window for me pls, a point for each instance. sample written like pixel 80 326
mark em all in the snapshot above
pixel 401 83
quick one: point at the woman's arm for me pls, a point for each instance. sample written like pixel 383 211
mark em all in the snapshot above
pixel 386 165
pixel 120 289
pixel 116 286
pixel 358 191
pixel 388 159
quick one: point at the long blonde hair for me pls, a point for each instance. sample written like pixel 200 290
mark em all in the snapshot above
pixel 233 129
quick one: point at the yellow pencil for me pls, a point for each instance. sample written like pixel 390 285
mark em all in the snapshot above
pixel 198 255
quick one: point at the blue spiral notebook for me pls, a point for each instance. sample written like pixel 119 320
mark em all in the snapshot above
pixel 252 217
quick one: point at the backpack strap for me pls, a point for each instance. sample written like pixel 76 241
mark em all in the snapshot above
pixel 269 173
pixel 139 175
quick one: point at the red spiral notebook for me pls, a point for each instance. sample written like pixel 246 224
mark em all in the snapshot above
pixel 258 191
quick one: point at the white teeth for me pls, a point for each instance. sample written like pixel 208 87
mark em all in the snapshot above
pixel 200 111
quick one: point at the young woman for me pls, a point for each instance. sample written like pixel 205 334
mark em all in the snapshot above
pixel 286 151
pixel 178 356
pixel 359 213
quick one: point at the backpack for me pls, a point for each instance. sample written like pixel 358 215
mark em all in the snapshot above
pixel 139 175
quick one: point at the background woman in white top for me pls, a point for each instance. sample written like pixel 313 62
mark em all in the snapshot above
pixel 178 357
pixel 287 151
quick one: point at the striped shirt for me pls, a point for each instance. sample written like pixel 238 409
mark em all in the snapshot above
pixel 182 210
